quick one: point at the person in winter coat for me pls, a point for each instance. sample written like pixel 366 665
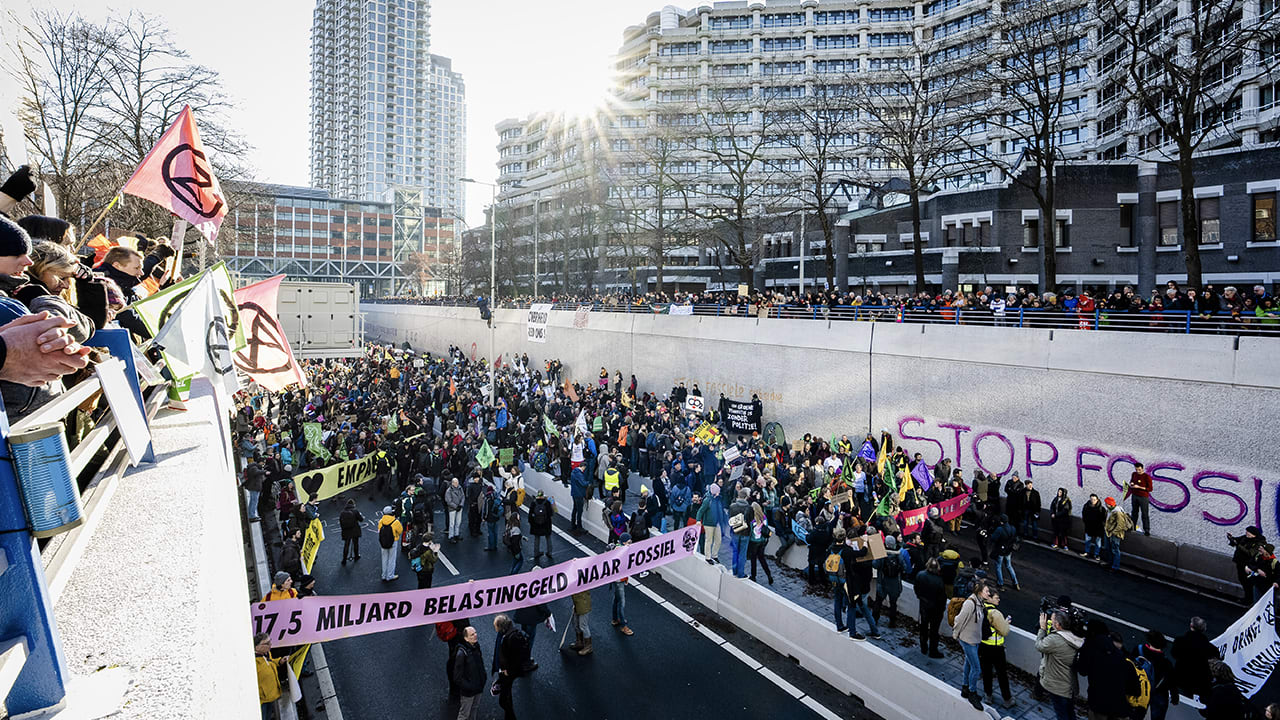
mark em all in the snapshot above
pixel 1163 683
pixel 529 618
pixel 1015 505
pixel 468 673
pixel 1117 524
pixel 889 572
pixel 389 530
pixel 932 595
pixel 291 554
pixel 991 655
pixel 254 475
pixel 1002 545
pixel 581 626
pixel 760 532
pixel 578 485
pixel 740 508
pixel 455 498
pixel 1094 515
pixel 968 632
pixel 1192 652
pixel 678 504
pixel 932 534
pixel 1112 678
pixel 1031 511
pixel 423 559
pixel 1224 701
pixel 350 521
pixel 541 514
pixel 1060 518
pixel 1057 647
pixel 712 516
pixel 857 574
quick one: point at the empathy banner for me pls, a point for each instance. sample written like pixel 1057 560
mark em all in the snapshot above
pixel 1251 646
pixel 537 321
pixel 325 618
pixel 329 481
pixel 912 520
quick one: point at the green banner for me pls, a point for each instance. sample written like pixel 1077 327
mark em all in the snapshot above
pixel 507 456
pixel 315 441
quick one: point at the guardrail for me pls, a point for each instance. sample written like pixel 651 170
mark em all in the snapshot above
pixel 33 670
pixel 1164 321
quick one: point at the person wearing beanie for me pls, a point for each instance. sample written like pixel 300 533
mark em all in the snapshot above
pixel 350 522
pixel 389 530
pixel 42 227
pixel 712 516
pixel 1248 547
pixel 889 571
pixel 281 588
pixel 1117 524
pixel 620 594
pixel 14 190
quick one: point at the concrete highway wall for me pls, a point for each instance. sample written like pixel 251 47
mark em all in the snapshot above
pixel 1069 408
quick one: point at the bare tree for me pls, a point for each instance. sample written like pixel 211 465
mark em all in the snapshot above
pixel 1184 67
pixel 1040 50
pixel 905 108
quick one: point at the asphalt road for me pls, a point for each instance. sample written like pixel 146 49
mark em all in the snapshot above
pixel 667 668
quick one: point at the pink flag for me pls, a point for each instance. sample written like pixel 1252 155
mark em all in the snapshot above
pixel 176 175
pixel 266 357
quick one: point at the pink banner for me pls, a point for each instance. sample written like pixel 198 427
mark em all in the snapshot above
pixel 321 619
pixel 912 520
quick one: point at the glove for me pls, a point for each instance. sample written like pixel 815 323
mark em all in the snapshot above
pixel 19 185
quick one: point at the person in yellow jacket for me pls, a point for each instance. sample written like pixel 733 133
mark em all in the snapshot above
pixel 281 588
pixel 268 673
pixel 389 530
pixel 991 655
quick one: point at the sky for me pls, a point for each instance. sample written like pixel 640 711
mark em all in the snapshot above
pixel 516 56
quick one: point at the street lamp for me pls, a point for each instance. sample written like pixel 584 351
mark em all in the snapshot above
pixel 493 263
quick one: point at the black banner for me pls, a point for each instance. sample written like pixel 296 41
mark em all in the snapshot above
pixel 741 417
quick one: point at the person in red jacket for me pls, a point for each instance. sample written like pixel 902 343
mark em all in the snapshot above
pixel 1140 491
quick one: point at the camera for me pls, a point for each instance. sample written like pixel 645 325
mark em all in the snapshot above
pixel 1075 617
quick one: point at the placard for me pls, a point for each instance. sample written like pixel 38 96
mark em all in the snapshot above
pixel 694 404
pixel 731 453
pixel 506 456
pixel 538 315
pixel 129 417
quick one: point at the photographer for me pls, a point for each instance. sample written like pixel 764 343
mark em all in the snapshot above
pixel 1057 646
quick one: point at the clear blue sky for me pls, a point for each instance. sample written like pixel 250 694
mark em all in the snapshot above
pixel 517 56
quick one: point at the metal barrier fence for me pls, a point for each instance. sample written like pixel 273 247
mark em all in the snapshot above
pixel 1165 321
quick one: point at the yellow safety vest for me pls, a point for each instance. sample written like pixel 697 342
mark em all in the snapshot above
pixel 996 638
pixel 611 479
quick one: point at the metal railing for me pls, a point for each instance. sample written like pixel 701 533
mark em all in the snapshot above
pixel 1164 321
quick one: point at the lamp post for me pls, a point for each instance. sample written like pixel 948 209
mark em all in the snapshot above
pixel 493 264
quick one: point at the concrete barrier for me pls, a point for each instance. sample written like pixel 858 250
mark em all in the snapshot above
pixel 887 685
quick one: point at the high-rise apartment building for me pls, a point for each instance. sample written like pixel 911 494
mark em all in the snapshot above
pixel 385 112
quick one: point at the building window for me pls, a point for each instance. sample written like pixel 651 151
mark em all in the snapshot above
pixel 1264 217
pixel 1061 234
pixel 1169 223
pixel 1126 226
pixel 1209 221
pixel 1031 234
pixel 953 236
pixel 835 17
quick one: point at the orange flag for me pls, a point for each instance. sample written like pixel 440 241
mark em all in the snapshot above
pixel 453 388
pixel 177 176
pixel 100 245
pixel 266 357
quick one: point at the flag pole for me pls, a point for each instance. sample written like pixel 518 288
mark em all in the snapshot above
pixel 84 238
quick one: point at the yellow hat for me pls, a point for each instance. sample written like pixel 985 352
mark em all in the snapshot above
pixel 643 489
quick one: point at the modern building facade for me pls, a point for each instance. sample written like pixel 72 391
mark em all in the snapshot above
pixel 752 78
pixel 385 112
pixel 386 248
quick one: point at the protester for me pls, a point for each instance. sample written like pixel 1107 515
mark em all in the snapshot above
pixel 619 588
pixel 760 534
pixel 1192 653
pixel 269 670
pixel 1139 488
pixel 991 656
pixel 389 530
pixel 423 559
pixel 1117 524
pixel 581 624
pixel 511 660
pixel 1058 646
pixel 281 588
pixel 932 596
pixel 856 558
pixel 1112 678
pixel 350 522
pixel 1060 518
pixel 1004 541
pixel 889 570
pixel 540 524
pixel 1094 515
pixel 468 674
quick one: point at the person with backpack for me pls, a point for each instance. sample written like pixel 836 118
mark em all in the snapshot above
pixel 888 581
pixel 932 534
pixel 491 513
pixel 529 618
pixel 932 595
pixel 467 674
pixel 638 525
pixel 967 630
pixel 1058 646
pixel 740 526
pixel 513 538
pixel 678 499
pixel 540 524
pixel 1003 542
pixel 991 655
pixel 620 593
pixel 615 520
pixel 1118 523
pixel 423 559
pixel 350 521
pixel 455 498
pixel 1159 674
pixel 834 567
pixel 389 530
pixel 510 661
pixel 1115 683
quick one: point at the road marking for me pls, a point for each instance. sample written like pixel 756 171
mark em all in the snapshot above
pixel 1112 618
pixel 711 635
pixel 446 562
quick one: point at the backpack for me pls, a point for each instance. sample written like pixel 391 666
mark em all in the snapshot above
pixel 834 566
pixel 954 605
pixel 386 536
pixel 512 539
pixel 446 631
pixel 891 567
pixel 541 512
pixel 639 527
pixel 1143 668
pixel 492 506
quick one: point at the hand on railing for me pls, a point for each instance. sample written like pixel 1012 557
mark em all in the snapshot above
pixel 38 350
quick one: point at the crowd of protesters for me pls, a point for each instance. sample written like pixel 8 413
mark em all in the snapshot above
pixel 426 419
pixel 1171 308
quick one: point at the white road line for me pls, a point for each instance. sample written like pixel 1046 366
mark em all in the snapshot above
pixel 711 635
pixel 1112 618
pixel 446 562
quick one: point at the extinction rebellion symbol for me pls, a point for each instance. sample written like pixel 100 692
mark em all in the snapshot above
pixel 195 188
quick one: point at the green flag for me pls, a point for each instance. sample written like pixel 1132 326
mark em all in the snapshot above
pixel 485 455
pixel 315 441
pixel 890 480
pixel 550 427
pixel 393 423
pixel 342 448
pixel 884 507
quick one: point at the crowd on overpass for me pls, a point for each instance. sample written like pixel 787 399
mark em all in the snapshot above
pixel 872 514
pixel 1172 308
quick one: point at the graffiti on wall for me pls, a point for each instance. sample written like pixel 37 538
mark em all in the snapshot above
pixel 1208 495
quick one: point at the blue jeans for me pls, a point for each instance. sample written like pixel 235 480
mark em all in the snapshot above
pixel 1063 707
pixel 1114 545
pixel 1002 562
pixel 740 556
pixel 575 518
pixel 620 602
pixel 493 536
pixel 253 504
pixel 859 607
pixel 841 603
pixel 517 564
pixel 1092 545
pixel 972 667
pixel 1029 526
